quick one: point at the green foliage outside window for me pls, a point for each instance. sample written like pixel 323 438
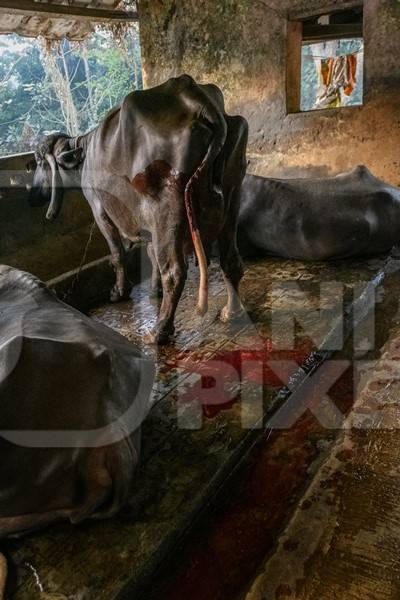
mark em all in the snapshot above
pixel 68 87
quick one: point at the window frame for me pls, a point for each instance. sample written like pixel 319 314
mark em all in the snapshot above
pixel 298 32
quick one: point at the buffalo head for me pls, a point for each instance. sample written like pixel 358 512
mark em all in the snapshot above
pixel 57 152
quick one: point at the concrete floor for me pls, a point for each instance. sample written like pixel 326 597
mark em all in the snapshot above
pixel 343 541
pixel 315 513
pixel 192 449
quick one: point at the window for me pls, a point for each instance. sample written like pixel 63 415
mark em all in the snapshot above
pixel 326 61
pixel 65 87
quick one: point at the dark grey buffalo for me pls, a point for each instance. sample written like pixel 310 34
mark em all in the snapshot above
pixel 354 214
pixel 169 161
pixel 73 395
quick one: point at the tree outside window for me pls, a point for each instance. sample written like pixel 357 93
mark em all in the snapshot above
pixel 66 87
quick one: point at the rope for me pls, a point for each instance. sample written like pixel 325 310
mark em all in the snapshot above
pixel 309 57
pixel 314 57
pixel 72 287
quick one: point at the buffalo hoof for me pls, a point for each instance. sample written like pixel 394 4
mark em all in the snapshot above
pixel 118 295
pixel 201 311
pixel 230 316
pixel 159 337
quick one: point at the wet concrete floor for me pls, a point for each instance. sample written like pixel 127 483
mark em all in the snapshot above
pixel 343 540
pixel 214 386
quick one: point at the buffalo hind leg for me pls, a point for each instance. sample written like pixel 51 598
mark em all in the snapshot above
pixel 121 290
pixel 232 269
pixel 173 269
pixel 156 290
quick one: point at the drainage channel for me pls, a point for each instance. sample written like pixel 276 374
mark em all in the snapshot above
pixel 219 558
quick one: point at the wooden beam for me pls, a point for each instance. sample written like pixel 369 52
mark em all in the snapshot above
pixel 314 33
pixel 28 8
pixel 293 65
pixel 306 13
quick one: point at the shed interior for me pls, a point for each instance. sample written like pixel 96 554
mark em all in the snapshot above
pixel 233 507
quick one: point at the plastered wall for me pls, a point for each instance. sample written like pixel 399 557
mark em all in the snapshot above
pixel 241 46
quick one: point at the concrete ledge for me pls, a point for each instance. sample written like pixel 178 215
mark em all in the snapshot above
pixel 90 285
pixel 31 243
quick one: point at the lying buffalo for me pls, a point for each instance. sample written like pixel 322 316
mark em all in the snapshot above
pixel 168 161
pixel 73 394
pixel 354 214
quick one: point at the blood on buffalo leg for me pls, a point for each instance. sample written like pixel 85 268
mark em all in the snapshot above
pixel 169 251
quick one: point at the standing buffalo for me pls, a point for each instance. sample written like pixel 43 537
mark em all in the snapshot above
pixel 168 161
pixel 73 395
pixel 354 214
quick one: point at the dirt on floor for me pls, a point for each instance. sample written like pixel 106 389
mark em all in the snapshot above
pixel 215 385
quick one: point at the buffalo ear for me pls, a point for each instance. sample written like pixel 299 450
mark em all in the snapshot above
pixel 31 166
pixel 70 159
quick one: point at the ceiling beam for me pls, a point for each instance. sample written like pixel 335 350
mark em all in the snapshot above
pixel 319 33
pixel 28 8
pixel 306 13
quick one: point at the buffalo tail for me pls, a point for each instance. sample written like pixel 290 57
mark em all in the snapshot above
pixel 205 109
pixel 202 306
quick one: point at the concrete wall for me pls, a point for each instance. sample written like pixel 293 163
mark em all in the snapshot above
pixel 28 241
pixel 241 46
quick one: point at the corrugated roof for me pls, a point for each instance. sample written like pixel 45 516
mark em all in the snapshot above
pixel 55 28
